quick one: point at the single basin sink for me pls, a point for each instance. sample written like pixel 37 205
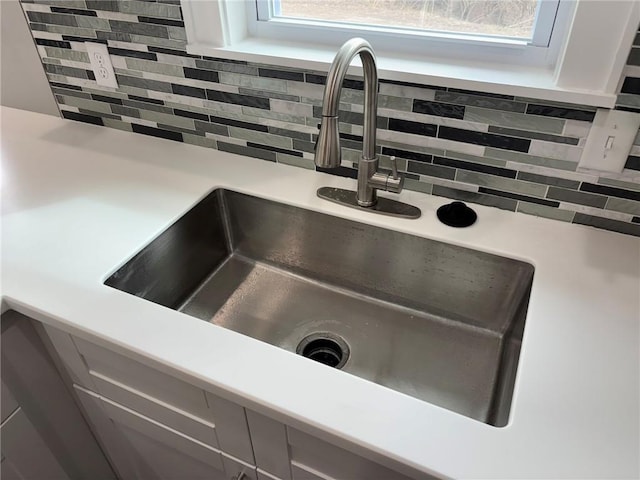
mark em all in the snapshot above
pixel 435 321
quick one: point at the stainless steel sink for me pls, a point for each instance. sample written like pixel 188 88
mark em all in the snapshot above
pixel 432 320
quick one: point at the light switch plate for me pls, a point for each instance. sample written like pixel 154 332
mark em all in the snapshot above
pixel 101 64
pixel 610 140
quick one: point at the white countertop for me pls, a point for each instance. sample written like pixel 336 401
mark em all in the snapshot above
pixel 79 200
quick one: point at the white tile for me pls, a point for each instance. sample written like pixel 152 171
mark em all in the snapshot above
pixel 127 45
pixel 118 62
pixel 558 151
pixel 69 108
pixel 35 7
pixel 576 128
pixel 117 16
pixel 292 108
pixel 46 35
pixel 407 92
pixel 182 99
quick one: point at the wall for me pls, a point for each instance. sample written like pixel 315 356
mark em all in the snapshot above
pixel 23 83
pixel 629 97
pixel 513 153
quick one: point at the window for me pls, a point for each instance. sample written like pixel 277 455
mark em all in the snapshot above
pixel 489 30
pixel 521 21
pixel 565 50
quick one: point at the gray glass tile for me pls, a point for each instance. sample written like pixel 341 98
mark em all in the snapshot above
pixel 546 180
pixel 418 186
pixel 118 124
pixel 93 23
pixel 144 83
pixel 608 224
pixel 480 198
pixel 198 140
pixel 67 54
pixel 480 101
pixel 534 135
pixel 295 161
pixel 581 198
pixel 501 183
pixel 512 156
pixel 145 29
pixel 623 205
pixel 514 120
pixel 546 212
pixel 154 67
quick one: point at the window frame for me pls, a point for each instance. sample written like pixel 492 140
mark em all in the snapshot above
pixel 545 16
pixel 221 28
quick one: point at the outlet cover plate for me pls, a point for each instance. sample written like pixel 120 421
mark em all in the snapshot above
pixel 101 64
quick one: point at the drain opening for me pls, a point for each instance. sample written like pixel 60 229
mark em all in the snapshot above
pixel 325 348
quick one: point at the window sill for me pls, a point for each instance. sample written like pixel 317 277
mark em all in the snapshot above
pixel 518 81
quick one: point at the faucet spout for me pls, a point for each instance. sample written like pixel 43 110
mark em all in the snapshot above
pixel 328 153
pixel 328 145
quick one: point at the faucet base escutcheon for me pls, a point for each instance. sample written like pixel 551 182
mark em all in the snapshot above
pixel 384 206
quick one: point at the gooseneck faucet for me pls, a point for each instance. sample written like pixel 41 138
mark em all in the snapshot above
pixel 328 152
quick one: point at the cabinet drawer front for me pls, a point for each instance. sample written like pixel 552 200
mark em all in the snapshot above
pixel 128 421
pixel 150 407
pixel 325 460
pixel 145 379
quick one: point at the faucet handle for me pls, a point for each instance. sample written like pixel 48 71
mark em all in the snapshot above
pixel 394 167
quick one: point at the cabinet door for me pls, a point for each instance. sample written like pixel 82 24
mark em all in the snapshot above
pixel 25 454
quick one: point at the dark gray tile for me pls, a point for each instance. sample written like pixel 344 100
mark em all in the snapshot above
pixel 107 5
pixel 74 11
pixel 485 139
pixel 631 85
pixel 161 21
pixel 431 170
pixel 545 180
pixel 480 198
pixel 416 128
pixel 560 112
pixel 283 132
pixel 198 74
pixel 240 124
pixel 274 149
pixel 66 71
pixel 573 196
pixel 157 132
pixel 144 83
pixel 481 101
pixel 267 94
pixel 345 172
pixel 612 191
pixel 533 135
pixel 117 36
pixel 282 74
pixel 247 151
pixel 104 116
pixel 79 117
pixel 145 29
pixel 45 42
pixel 303 146
pixel 475 167
pixel 52 18
pixel 246 100
pixel 438 109
pixel 223 66
pixel 395 152
pixel 633 163
pixel 128 111
pixel 520 197
pixel 634 57
pixel 212 128
pixel 188 91
pixel 123 52
pixel 608 224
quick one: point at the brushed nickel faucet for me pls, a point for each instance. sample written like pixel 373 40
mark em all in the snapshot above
pixel 328 153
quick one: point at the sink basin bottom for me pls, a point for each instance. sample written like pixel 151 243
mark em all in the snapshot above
pixel 441 361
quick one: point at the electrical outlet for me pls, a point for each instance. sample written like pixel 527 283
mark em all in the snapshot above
pixel 610 140
pixel 101 64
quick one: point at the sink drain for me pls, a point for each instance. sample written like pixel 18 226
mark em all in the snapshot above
pixel 324 347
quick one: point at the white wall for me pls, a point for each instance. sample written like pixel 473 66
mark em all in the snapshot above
pixel 23 83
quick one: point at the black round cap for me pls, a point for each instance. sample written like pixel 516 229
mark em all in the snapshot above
pixel 457 214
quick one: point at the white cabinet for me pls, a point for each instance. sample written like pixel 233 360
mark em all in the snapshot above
pixel 286 453
pixel 153 425
pixel 44 435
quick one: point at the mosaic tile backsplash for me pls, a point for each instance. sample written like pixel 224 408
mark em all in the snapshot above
pixel 518 154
